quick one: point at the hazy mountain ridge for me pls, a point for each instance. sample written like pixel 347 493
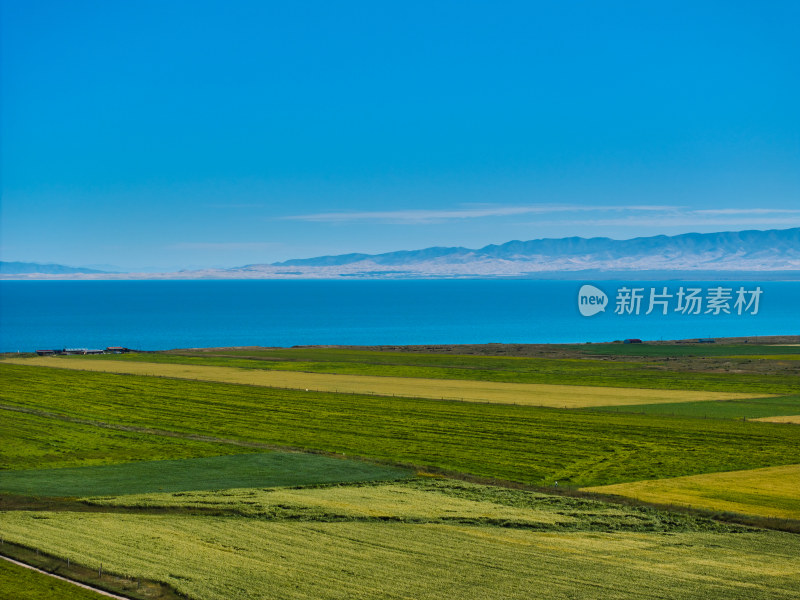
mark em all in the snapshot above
pixel 19 268
pixel 753 251
pixel 390 258
pixel 709 246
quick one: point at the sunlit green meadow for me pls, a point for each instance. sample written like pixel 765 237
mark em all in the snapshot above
pixel 179 481
pixel 218 558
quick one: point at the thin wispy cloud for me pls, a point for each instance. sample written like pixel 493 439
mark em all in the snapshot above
pixel 748 211
pixel 421 216
pixel 416 216
pixel 234 205
pixel 224 246
pixel 686 221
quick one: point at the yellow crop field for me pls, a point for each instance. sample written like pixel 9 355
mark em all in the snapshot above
pixel 769 492
pixel 221 558
pixel 530 394
pixel 785 419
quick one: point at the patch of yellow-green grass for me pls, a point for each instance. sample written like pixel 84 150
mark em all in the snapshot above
pixel 397 502
pixel 529 394
pixel 223 558
pixel 769 492
pixel 785 419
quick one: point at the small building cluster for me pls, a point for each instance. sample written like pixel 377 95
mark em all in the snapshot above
pixel 67 351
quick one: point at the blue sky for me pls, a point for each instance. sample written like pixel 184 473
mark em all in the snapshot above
pixel 199 133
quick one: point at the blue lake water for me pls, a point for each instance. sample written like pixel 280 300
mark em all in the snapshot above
pixel 156 315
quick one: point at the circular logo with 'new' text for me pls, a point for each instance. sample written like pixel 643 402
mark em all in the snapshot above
pixel 591 300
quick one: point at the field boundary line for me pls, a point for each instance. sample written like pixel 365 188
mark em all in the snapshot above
pixel 72 581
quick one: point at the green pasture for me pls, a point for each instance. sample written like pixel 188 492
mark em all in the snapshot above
pixel 512 353
pixel 661 375
pixel 686 350
pixel 516 443
pixel 421 538
pixel 527 394
pixel 453 356
pixel 718 409
pixel 31 441
pixel 167 484
pixel 422 500
pixel 769 357
pixel 209 473
pixel 224 558
pixel 19 583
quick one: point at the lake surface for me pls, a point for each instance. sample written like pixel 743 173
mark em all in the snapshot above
pixel 157 315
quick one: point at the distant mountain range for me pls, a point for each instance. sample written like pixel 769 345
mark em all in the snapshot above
pixel 19 268
pixel 691 250
pixel 774 251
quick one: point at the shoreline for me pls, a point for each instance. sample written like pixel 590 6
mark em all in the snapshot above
pixel 483 348
pixel 764 340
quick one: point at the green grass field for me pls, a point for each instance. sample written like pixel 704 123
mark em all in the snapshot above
pixel 171 481
pixel 516 443
pixel 31 441
pixel 728 409
pixel 30 585
pixel 688 350
pixel 211 473
pixel 718 375
pixel 421 500
pixel 432 355
pixel 422 538
pixel 224 558
pixel 528 394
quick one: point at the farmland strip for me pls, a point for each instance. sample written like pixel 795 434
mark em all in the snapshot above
pixel 516 443
pixel 529 394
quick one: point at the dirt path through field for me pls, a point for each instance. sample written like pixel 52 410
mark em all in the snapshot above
pixel 529 394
